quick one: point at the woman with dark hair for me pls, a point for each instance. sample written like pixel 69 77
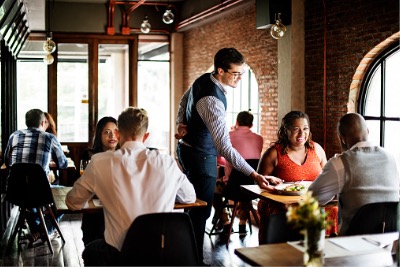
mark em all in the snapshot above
pixel 105 139
pixel 51 125
pixel 294 157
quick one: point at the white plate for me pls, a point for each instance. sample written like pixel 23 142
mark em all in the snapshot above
pixel 281 188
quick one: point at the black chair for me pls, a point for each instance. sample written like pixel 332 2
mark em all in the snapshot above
pixel 278 230
pixel 160 239
pixel 374 218
pixel 28 188
pixel 233 192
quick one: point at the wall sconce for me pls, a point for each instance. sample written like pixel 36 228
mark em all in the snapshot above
pixel 278 29
pixel 168 16
pixel 145 27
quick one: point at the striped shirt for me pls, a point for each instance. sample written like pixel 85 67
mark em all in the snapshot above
pixel 212 112
pixel 34 146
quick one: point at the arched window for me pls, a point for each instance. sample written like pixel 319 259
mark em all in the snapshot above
pixel 379 100
pixel 242 98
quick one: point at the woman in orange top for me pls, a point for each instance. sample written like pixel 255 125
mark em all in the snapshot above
pixel 293 157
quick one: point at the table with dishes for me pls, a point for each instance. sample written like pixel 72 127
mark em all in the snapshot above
pixel 364 250
pixel 94 205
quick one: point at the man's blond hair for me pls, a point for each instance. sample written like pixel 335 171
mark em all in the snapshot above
pixel 133 122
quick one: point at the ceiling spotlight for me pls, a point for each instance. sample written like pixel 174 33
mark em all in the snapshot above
pixel 168 16
pixel 48 59
pixel 145 27
pixel 278 29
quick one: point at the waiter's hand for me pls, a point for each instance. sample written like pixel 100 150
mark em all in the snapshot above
pixel 181 131
pixel 266 182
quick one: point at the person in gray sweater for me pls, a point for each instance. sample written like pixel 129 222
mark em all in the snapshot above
pixel 364 173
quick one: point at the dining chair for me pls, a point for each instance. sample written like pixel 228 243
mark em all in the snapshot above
pixel 28 188
pixel 278 230
pixel 233 193
pixel 374 218
pixel 160 239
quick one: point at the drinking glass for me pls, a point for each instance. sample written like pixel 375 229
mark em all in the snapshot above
pixel 83 164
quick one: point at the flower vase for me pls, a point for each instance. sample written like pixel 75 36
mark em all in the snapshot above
pixel 314 241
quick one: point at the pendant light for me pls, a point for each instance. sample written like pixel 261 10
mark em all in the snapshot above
pixel 49 46
pixel 145 27
pixel 168 16
pixel 278 29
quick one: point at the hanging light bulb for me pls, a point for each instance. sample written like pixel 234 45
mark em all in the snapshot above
pixel 48 59
pixel 49 46
pixel 278 29
pixel 145 27
pixel 168 16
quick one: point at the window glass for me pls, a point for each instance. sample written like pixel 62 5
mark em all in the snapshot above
pixel 374 131
pixel 244 97
pixel 113 79
pixel 392 82
pixel 383 113
pixel 392 140
pixel 373 103
pixel 72 93
pixel 154 92
pixel 31 88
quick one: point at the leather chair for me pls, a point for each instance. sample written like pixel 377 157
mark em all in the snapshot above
pixel 28 188
pixel 233 192
pixel 278 230
pixel 160 239
pixel 374 218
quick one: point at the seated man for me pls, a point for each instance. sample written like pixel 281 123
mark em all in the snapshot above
pixel 249 145
pixel 362 174
pixel 129 182
pixel 35 145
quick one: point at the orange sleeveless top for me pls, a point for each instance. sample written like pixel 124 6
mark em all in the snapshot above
pixel 290 171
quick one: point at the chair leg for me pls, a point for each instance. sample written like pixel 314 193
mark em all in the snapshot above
pixel 18 228
pixel 55 223
pixel 231 223
pixel 44 228
pixel 253 211
pixel 219 214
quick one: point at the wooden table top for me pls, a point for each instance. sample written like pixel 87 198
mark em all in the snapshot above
pixel 256 191
pixel 59 194
pixel 284 254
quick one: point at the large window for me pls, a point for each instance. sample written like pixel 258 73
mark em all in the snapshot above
pixel 113 81
pixel 379 98
pixel 31 81
pixel 154 91
pixel 72 93
pixel 242 98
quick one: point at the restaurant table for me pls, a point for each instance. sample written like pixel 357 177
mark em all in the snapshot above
pixel 94 205
pixel 365 250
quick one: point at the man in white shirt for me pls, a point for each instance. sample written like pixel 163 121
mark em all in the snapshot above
pixel 362 174
pixel 129 182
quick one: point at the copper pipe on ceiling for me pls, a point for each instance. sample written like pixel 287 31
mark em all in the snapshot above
pixel 207 13
pixel 126 30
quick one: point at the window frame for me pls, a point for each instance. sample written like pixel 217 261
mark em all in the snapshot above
pixel 380 61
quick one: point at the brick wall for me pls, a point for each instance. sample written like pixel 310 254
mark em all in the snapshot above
pixel 354 27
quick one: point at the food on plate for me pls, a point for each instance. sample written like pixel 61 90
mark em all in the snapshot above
pixel 295 188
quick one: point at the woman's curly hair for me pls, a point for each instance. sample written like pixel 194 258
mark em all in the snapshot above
pixel 287 123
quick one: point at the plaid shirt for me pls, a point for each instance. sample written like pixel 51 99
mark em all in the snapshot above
pixel 34 146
